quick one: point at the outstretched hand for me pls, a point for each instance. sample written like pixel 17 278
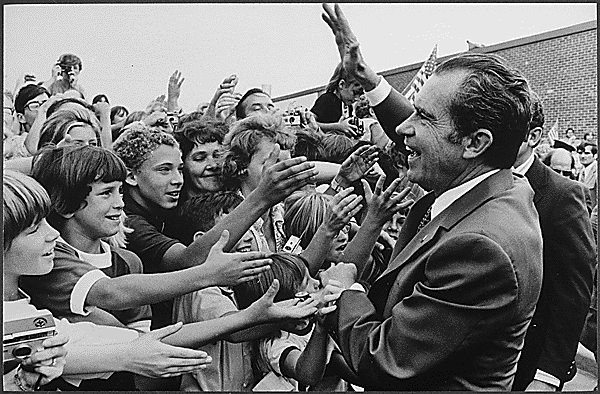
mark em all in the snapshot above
pixel 348 47
pixel 280 179
pixel 174 88
pixel 357 165
pixel 341 209
pixel 229 269
pixel 383 204
pixel 152 358
pixel 268 311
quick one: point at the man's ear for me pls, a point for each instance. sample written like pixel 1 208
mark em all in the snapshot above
pixel 21 118
pixel 198 234
pixel 342 84
pixel 131 179
pixel 534 136
pixel 477 143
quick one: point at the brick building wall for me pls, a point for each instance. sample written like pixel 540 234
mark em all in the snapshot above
pixel 560 65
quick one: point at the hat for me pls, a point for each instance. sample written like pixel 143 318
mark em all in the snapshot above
pixel 26 93
pixel 68 59
pixel 564 145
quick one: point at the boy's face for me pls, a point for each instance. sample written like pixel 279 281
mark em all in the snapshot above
pixel 32 251
pixel 245 244
pixel 159 179
pixel 83 134
pixel 203 165
pixel 101 215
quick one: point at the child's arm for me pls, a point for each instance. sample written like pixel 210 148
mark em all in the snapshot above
pixel 308 366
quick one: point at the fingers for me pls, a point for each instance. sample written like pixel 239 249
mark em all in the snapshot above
pixel 341 195
pixel 367 189
pixel 57 340
pixel 272 159
pixel 221 242
pixel 271 292
pixel 327 309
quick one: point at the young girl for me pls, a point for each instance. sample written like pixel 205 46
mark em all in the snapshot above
pixel 298 354
pixel 93 350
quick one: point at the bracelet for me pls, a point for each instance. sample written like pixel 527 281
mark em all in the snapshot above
pixel 336 186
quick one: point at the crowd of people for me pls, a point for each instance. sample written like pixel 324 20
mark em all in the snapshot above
pixel 366 243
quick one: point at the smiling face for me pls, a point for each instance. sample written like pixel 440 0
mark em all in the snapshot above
pixel 100 215
pixel 32 251
pixel 203 166
pixel 159 179
pixel 434 162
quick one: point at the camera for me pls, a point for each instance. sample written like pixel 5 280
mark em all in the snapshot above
pixel 292 118
pixel 292 245
pixel 356 121
pixel 24 333
pixel 64 70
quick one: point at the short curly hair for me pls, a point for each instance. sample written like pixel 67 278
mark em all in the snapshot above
pixel 138 142
pixel 244 137
pixel 200 132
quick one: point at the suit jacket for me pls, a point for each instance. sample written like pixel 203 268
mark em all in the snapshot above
pixel 569 258
pixel 451 310
pixel 392 111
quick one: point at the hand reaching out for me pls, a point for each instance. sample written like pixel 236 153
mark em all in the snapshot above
pixel 383 204
pixel 341 209
pixel 357 164
pixel 343 273
pixel 226 105
pixel 348 47
pixel 174 88
pixel 229 269
pixel 152 358
pixel 280 179
pixel 266 310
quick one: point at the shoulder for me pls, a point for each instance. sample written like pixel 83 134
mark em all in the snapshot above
pixel 128 257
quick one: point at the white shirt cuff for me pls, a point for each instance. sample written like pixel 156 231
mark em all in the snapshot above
pixel 357 286
pixel 380 93
pixel 81 289
pixel 546 378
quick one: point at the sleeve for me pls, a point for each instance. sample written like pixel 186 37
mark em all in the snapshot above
pixel 206 304
pixel 275 348
pixel 327 108
pixel 149 244
pixel 392 111
pixel 568 280
pixel 457 303
pixel 64 289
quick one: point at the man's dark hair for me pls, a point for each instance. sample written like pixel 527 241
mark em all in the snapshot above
pixel 97 98
pixel 239 108
pixel 492 96
pixel 581 147
pixel 200 132
pixel 26 93
pixel 199 213
pixel 68 59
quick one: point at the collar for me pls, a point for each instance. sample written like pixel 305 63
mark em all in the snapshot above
pixel 523 168
pixel 156 216
pixel 449 196
pixel 98 260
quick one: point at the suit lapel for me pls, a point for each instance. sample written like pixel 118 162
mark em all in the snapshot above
pixel 448 219
pixel 537 176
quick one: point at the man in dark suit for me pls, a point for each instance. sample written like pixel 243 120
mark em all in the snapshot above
pixel 569 258
pixel 451 310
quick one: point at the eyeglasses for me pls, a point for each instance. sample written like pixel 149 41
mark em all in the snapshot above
pixel 34 105
pixel 8 110
pixel 568 173
pixel 583 152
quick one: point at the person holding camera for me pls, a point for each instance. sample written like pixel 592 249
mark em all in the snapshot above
pixel 334 108
pixel 65 75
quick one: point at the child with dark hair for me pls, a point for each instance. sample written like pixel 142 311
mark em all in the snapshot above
pixel 298 354
pixel 231 368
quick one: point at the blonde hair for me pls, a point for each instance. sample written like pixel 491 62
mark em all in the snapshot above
pixel 25 203
pixel 305 211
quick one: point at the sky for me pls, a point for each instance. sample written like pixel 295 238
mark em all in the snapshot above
pixel 130 50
